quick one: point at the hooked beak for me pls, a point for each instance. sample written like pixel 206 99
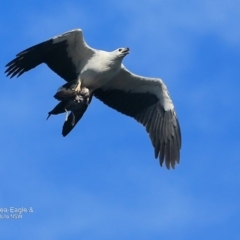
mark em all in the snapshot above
pixel 126 51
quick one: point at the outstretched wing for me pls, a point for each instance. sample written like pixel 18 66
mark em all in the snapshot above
pixel 64 54
pixel 146 100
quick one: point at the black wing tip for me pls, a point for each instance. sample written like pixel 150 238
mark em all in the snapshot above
pixel 167 149
pixel 68 125
pixel 67 128
pixel 49 114
pixel 169 164
pixel 64 134
pixel 170 161
pixel 11 75
pixel 8 65
pixel 13 69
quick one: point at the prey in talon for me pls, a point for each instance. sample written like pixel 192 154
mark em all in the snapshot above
pixel 70 89
pixel 70 100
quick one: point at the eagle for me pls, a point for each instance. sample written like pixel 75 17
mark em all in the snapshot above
pixel 96 73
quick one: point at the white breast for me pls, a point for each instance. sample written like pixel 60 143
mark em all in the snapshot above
pixel 99 70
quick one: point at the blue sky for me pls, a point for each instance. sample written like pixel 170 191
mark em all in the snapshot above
pixel 102 181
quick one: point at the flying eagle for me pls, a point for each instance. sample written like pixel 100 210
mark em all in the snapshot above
pixel 104 76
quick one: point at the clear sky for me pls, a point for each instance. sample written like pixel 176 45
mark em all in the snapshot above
pixel 102 181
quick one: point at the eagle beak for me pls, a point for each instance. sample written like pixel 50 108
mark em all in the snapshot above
pixel 126 51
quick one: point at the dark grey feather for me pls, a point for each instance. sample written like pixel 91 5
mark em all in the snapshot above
pixel 162 126
pixel 53 54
